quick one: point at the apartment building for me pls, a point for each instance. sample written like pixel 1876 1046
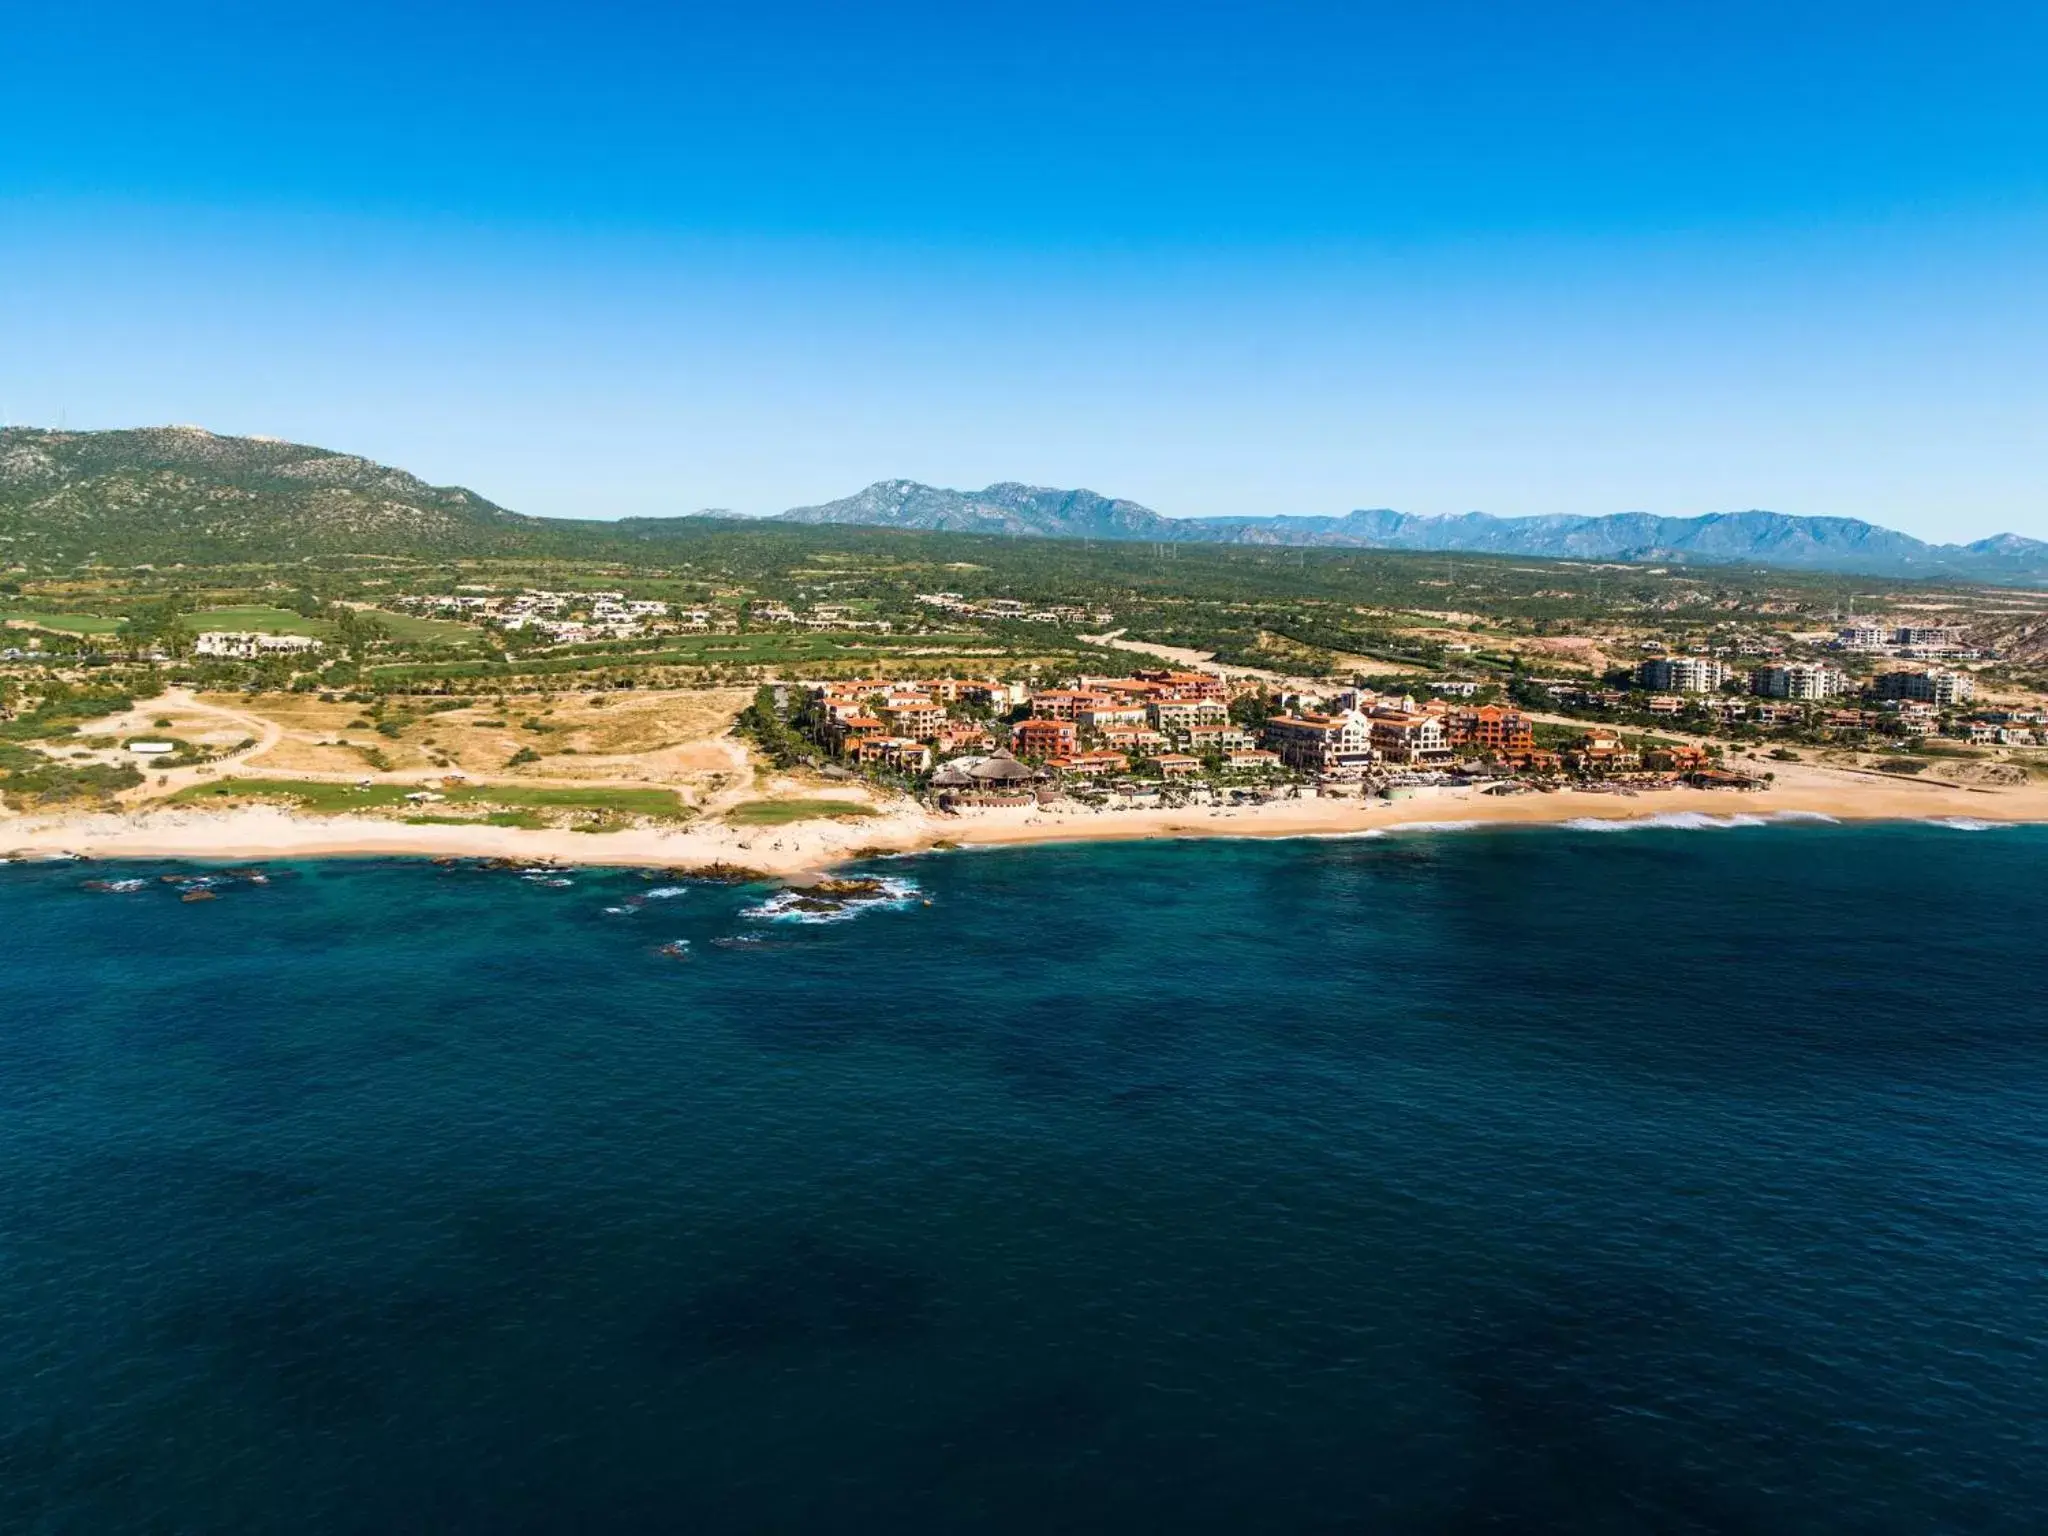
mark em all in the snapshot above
pixel 1798 680
pixel 1682 674
pixel 1936 687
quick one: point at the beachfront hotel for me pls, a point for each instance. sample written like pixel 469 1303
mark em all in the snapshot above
pixel 1314 743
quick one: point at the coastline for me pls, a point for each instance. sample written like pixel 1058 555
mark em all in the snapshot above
pixel 809 849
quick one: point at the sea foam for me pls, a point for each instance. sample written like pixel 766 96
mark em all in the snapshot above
pixel 791 906
pixel 1682 821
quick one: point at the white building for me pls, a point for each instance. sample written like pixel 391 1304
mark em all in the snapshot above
pixel 239 645
pixel 1333 743
pixel 1682 674
pixel 1927 636
pixel 1798 680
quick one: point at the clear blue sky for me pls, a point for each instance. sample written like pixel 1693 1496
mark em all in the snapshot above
pixel 614 258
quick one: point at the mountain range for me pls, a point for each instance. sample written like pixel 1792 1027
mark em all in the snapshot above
pixel 1844 544
pixel 185 494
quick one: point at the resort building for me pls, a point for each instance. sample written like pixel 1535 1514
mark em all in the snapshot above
pixel 1177 765
pixel 1136 740
pixel 1490 729
pixel 1187 685
pixel 1682 674
pixel 1411 739
pixel 1322 743
pixel 1216 738
pixel 1798 680
pixel 962 736
pixel 1047 738
pixel 1602 752
pixel 894 752
pixel 916 718
pixel 999 697
pixel 1090 765
pixel 846 732
pixel 1927 636
pixel 1251 760
pixel 1068 703
pixel 1109 712
pixel 1174 716
pixel 235 645
pixel 1943 688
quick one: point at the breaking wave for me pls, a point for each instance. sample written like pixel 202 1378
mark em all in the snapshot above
pixel 1683 821
pixel 805 906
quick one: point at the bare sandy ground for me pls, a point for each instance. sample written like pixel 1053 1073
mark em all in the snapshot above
pixel 805 848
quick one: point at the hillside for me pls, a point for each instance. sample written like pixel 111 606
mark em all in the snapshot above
pixel 170 493
pixel 180 494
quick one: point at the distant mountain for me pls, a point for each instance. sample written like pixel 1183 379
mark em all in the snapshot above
pixel 168 494
pixel 1022 510
pixel 158 493
pixel 1843 544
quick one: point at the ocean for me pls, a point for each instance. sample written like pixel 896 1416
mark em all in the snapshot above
pixel 1680 1179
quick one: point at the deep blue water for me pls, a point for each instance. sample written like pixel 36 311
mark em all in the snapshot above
pixel 1522 1181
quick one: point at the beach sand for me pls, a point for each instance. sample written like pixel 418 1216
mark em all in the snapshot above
pixel 807 848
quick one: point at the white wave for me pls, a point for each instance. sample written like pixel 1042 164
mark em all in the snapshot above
pixel 1966 824
pixel 1819 816
pixel 665 892
pixel 1683 821
pixel 791 906
pixel 1436 826
pixel 620 911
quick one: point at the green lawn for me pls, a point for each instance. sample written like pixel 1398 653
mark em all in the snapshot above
pixel 518 801
pixel 321 799
pixel 779 813
pixel 729 650
pixel 259 618
pixel 625 800
pixel 410 629
pixel 66 623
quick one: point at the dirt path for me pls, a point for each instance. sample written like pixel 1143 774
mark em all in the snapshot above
pixel 1199 661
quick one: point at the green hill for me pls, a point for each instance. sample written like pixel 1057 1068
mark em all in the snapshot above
pixel 181 493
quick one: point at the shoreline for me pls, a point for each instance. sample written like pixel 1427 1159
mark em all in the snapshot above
pixel 803 850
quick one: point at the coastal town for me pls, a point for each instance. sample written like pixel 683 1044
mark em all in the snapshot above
pixel 1165 736
pixel 802 685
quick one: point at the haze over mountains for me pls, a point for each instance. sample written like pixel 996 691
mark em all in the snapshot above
pixel 181 493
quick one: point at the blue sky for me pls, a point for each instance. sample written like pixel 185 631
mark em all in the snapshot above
pixel 629 259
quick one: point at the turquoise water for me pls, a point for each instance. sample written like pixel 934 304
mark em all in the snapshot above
pixel 1664 1180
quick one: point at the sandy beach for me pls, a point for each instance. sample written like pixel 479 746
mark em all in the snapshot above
pixel 809 847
